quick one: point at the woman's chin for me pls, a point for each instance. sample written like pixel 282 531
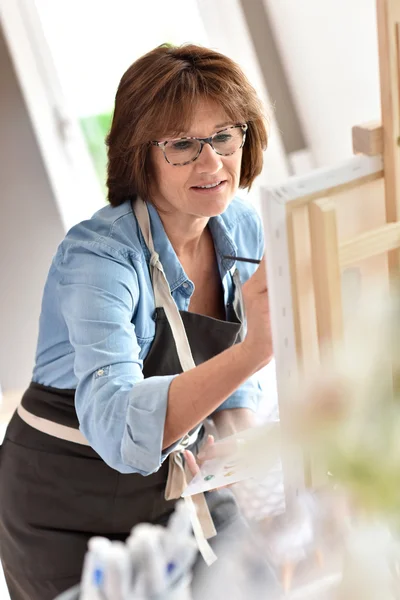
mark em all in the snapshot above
pixel 209 206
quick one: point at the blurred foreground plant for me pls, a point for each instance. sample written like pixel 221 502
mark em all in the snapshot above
pixel 348 416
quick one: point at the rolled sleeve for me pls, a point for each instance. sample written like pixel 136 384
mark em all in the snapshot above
pixel 121 414
pixel 142 442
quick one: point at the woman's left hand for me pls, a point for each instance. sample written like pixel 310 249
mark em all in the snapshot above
pixel 210 451
pixel 207 452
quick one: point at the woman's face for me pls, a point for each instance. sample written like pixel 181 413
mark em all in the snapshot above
pixel 176 188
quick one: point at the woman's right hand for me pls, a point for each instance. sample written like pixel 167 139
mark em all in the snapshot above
pixel 258 341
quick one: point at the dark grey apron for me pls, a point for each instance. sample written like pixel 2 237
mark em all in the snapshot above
pixel 56 494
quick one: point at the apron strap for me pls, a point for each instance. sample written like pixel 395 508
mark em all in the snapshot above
pixel 201 519
pixel 162 292
pixel 62 432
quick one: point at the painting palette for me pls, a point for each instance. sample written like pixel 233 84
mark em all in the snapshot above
pixel 231 464
pixel 218 473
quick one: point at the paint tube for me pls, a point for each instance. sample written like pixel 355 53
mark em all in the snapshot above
pixel 117 581
pixel 94 569
pixel 180 548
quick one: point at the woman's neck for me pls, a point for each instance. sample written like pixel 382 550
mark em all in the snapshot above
pixel 185 233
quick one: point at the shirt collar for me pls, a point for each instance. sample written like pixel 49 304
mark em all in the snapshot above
pixel 224 244
pixel 174 272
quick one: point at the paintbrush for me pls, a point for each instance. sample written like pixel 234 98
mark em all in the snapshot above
pixel 255 261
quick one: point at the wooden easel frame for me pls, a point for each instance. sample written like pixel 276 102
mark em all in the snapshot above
pixel 305 256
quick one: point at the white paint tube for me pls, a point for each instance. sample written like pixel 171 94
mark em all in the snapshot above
pixel 151 576
pixel 180 549
pixel 94 569
pixel 162 558
pixel 117 581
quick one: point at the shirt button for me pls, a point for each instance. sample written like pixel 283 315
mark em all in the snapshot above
pixel 185 285
pixel 100 372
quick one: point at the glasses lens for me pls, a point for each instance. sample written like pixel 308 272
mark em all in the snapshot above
pixel 181 151
pixel 228 141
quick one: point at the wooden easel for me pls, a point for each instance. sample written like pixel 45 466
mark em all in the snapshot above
pixel 333 223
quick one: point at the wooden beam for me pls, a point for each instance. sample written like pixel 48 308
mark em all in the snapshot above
pixel 299 247
pixel 368 244
pixel 388 16
pixel 368 138
pixel 326 272
pixel 305 324
pixel 327 181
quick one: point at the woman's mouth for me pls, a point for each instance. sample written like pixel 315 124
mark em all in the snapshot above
pixel 209 188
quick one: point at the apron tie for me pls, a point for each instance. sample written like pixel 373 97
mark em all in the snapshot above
pixel 200 516
pixel 155 261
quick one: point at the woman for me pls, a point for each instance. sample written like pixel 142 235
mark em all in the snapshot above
pixel 136 295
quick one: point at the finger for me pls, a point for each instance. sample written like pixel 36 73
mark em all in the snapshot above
pixel 204 452
pixel 210 440
pixel 191 462
pixel 221 450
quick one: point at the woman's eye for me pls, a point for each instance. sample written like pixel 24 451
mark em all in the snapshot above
pixel 182 145
pixel 222 137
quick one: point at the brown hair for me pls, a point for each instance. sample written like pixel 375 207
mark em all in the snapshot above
pixel 156 98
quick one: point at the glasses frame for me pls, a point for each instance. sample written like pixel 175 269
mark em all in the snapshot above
pixel 208 140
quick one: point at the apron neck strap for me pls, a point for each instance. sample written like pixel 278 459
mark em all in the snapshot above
pixel 142 215
pixel 161 289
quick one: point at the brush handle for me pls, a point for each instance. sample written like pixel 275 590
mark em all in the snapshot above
pixel 255 261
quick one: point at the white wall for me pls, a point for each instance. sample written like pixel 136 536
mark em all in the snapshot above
pixel 330 53
pixel 227 32
pixel 107 37
pixel 30 229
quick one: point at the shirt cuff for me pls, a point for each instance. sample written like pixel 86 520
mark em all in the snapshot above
pixel 240 399
pixel 142 442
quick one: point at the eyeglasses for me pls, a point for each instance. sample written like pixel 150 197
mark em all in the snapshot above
pixel 185 150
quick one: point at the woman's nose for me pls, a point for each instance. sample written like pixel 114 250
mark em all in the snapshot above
pixel 209 161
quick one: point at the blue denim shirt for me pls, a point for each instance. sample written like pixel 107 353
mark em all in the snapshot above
pixel 97 325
